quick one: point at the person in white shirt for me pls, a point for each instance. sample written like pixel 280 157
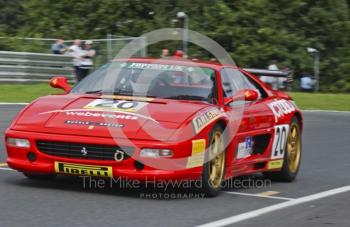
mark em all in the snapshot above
pixel 272 81
pixel 307 83
pixel 75 51
pixel 86 59
pixel 275 82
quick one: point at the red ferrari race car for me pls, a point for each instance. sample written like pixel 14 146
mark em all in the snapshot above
pixel 153 119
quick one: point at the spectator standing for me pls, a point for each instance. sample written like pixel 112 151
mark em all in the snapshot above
pixel 87 59
pixel 307 83
pixel 268 79
pixel 273 81
pixel 59 47
pixel 282 81
pixel 273 66
pixel 76 52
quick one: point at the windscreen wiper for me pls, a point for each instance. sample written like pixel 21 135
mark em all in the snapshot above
pixel 131 93
pixel 122 92
pixel 94 92
pixel 187 97
pixel 102 92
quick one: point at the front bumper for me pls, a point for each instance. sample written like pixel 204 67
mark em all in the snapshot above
pixel 45 164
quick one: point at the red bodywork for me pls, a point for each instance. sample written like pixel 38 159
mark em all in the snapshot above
pixel 258 120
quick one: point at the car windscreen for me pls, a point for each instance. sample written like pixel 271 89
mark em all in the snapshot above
pixel 151 80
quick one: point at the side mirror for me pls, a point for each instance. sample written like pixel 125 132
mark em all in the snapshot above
pixel 246 95
pixel 250 95
pixel 61 83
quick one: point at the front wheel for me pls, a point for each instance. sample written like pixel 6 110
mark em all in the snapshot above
pixel 292 156
pixel 214 168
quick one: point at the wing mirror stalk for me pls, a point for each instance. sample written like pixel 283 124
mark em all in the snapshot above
pixel 243 95
pixel 61 83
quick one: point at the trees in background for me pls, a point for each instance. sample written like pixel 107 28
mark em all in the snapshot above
pixel 254 32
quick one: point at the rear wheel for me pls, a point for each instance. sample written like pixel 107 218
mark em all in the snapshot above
pixel 37 176
pixel 214 169
pixel 292 156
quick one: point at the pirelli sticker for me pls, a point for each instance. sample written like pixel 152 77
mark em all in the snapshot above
pixel 198 154
pixel 275 164
pixel 204 119
pixel 85 170
pixel 281 108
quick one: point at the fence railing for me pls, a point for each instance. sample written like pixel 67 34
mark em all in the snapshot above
pixel 33 67
pixel 106 48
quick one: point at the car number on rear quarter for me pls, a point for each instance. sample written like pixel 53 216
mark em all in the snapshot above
pixel 279 141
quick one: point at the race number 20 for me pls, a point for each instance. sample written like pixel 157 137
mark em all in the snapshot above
pixel 279 141
pixel 116 105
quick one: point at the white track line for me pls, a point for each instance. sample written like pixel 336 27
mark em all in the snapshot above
pixel 326 111
pixel 8 169
pixel 13 103
pixel 260 196
pixel 265 210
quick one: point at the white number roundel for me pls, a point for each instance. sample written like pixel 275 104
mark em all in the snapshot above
pixel 279 141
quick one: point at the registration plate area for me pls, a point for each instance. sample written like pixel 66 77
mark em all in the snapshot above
pixel 84 170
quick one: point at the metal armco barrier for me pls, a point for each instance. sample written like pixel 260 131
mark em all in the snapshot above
pixel 28 67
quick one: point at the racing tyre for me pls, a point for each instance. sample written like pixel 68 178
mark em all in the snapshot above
pixel 34 176
pixel 292 156
pixel 214 169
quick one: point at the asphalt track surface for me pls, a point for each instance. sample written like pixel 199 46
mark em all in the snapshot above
pixel 319 197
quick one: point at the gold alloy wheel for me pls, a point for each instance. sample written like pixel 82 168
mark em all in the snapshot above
pixel 294 147
pixel 217 159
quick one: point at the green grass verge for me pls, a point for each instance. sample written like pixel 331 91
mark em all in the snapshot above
pixel 319 101
pixel 29 92
pixel 25 92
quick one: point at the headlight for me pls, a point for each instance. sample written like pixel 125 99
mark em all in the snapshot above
pixel 156 153
pixel 18 142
